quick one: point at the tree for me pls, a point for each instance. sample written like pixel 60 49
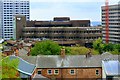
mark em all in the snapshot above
pixel 117 46
pixel 8 68
pixel 46 47
pixel 98 45
pixel 108 47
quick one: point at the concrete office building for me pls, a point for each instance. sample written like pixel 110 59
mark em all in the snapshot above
pixel 114 23
pixel 8 9
pixel 61 29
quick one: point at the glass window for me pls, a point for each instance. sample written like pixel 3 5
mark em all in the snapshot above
pixel 56 71
pixel 49 71
pixel 97 72
pixel 39 72
pixel 72 71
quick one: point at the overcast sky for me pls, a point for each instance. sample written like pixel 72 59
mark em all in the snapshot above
pixel 75 9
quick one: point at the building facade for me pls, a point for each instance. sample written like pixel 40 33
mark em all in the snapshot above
pixel 114 23
pixel 1 14
pixel 74 67
pixel 8 9
pixel 72 73
pixel 113 71
pixel 64 31
pixel 25 69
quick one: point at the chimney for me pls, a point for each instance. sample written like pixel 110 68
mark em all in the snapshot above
pixel 17 52
pixel 89 54
pixel 28 54
pixel 62 52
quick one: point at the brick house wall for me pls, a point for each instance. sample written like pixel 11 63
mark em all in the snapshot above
pixel 34 73
pixel 78 73
pixel 7 53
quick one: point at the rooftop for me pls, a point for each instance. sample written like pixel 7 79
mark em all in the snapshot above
pixel 56 61
pixel 111 67
pixel 24 66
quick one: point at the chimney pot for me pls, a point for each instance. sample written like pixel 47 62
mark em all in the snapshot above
pixel 63 52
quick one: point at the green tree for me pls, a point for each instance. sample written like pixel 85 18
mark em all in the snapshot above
pixel 12 39
pixel 46 47
pixel 108 47
pixel 98 45
pixel 5 43
pixel 117 46
pixel 115 51
pixel 8 68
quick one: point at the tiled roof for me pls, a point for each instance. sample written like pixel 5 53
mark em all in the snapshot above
pixel 27 44
pixel 56 61
pixel 71 61
pixel 30 59
pixel 11 42
pixel 24 66
pixel 23 52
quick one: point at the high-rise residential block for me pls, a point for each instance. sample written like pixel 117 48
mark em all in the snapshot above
pixel 8 9
pixel 114 23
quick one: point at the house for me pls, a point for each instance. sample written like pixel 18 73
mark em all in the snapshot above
pixel 77 67
pixel 11 42
pixel 26 70
pixel 17 48
pixel 7 50
pixel 111 69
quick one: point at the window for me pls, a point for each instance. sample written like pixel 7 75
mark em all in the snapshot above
pixel 49 71
pixel 56 71
pixel 97 72
pixel 72 71
pixel 39 72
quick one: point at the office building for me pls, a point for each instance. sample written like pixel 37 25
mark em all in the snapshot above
pixel 114 23
pixel 8 9
pixel 61 29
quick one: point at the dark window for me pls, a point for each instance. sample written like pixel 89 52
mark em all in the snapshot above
pixel 97 72
pixel 49 71
pixel 39 72
pixel 56 72
pixel 72 71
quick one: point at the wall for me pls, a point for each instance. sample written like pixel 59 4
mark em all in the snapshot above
pixel 79 73
pixel 19 25
pixel 103 72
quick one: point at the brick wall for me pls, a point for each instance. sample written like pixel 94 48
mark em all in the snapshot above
pixel 78 73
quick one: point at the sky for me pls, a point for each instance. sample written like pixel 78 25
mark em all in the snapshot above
pixel 75 9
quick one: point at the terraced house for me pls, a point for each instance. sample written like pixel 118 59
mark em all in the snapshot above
pixel 80 67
